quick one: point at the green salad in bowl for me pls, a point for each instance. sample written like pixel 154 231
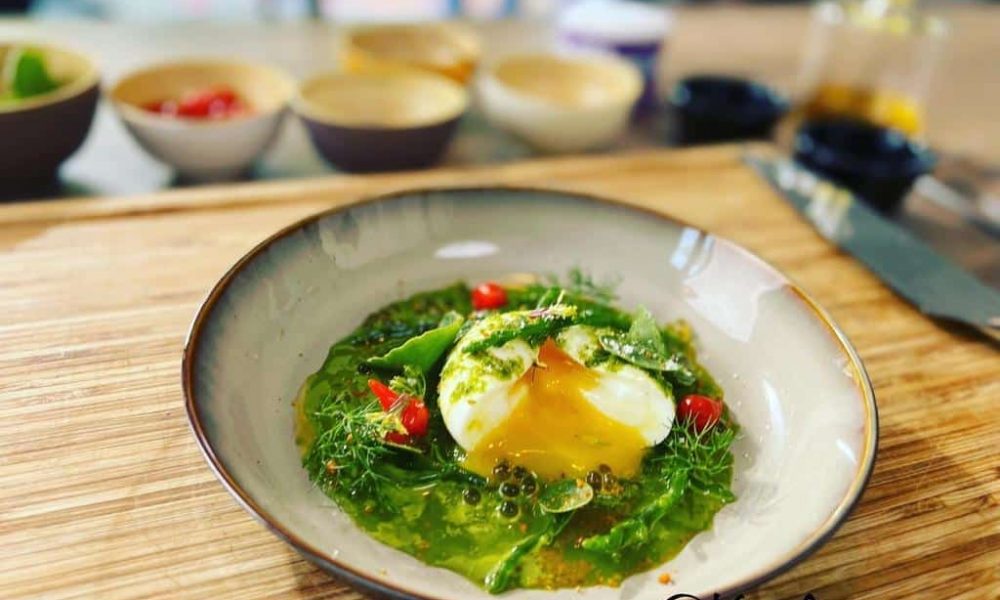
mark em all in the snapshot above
pixel 523 435
pixel 24 73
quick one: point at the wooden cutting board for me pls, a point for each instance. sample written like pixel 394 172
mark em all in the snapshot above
pixel 104 494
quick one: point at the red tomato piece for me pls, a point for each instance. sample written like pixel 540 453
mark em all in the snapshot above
pixel 197 105
pixel 415 417
pixel 163 107
pixel 225 96
pixel 397 438
pixel 211 103
pixel 488 295
pixel 702 411
pixel 386 397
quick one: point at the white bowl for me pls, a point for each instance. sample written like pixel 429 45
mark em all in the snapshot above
pixel 792 381
pixel 203 149
pixel 560 102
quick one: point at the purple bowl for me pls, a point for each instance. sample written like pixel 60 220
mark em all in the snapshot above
pixel 381 120
pixel 370 149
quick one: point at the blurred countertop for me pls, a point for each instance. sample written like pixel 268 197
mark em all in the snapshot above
pixel 760 42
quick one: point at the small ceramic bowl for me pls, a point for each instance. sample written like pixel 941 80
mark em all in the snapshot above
pixel 878 164
pixel 561 103
pixel 636 31
pixel 381 120
pixel 717 108
pixel 204 149
pixel 793 382
pixel 446 48
pixel 38 133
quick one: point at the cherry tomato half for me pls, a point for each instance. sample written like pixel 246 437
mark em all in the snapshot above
pixel 488 295
pixel 210 103
pixel 415 417
pixel 386 397
pixel 397 438
pixel 702 411
pixel 163 107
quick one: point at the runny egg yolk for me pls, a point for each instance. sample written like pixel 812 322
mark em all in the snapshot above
pixel 554 430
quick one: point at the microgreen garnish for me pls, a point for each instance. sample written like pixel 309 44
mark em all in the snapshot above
pixel 580 283
pixel 411 383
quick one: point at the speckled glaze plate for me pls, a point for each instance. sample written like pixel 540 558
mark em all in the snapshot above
pixel 791 378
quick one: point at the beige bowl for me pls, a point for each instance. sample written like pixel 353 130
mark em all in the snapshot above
pixel 561 103
pixel 199 149
pixel 446 48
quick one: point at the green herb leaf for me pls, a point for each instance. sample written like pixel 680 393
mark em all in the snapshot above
pixel 424 350
pixel 644 347
pixel 565 495
pixel 645 332
pixel 640 356
pixel 26 75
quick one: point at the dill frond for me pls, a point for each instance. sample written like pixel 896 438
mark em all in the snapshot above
pixel 704 455
pixel 346 455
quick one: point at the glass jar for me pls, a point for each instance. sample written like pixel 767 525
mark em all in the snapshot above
pixel 871 60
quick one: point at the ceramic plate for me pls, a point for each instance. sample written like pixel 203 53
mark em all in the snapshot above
pixel 792 380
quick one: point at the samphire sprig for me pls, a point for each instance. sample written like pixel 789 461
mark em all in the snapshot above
pixel 687 461
pixel 534 327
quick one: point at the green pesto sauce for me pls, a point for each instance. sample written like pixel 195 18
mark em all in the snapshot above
pixel 421 506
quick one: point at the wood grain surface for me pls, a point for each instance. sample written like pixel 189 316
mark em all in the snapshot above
pixel 103 492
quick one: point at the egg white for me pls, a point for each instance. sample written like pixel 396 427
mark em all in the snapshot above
pixel 476 391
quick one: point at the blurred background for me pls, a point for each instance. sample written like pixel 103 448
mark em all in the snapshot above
pixel 893 100
pixel 396 10
pixel 711 72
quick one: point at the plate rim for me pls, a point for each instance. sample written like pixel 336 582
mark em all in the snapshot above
pixel 819 536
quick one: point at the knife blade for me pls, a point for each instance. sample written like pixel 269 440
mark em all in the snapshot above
pixel 937 286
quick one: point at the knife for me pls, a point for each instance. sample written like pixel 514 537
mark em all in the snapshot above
pixel 937 286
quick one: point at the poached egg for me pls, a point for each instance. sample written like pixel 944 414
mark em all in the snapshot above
pixel 543 408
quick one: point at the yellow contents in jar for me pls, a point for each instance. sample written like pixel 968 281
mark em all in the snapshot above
pixel 879 106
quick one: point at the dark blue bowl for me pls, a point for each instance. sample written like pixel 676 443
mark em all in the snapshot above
pixel 716 108
pixel 876 163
